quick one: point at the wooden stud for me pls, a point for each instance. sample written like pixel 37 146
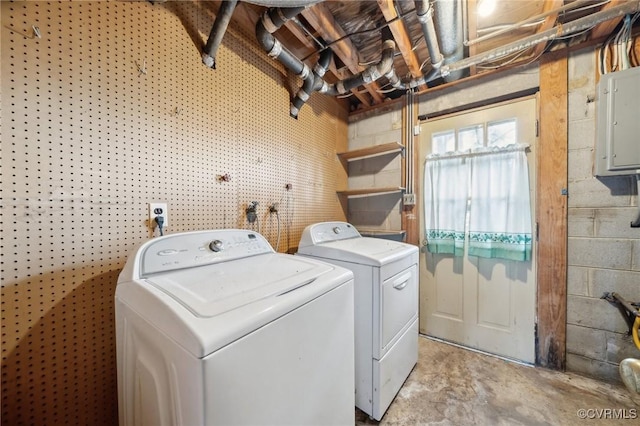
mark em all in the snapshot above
pixel 321 19
pixel 551 212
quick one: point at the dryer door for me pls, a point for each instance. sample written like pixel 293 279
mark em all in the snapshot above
pixel 399 306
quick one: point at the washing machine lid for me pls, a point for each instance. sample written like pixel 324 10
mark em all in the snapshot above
pixel 363 251
pixel 213 290
pixel 207 289
pixel 341 241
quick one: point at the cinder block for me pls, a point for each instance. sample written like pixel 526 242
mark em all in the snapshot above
pixel 580 69
pixel 592 192
pixel 374 165
pixel 625 283
pixel 593 368
pixel 615 223
pixel 620 346
pixel 581 105
pixel 375 125
pixel 578 281
pixel 582 134
pixel 387 179
pixel 600 253
pixel 475 91
pixel 588 342
pixel 594 313
pixel 366 219
pixel 635 262
pixel 360 182
pixel 580 164
pixel 580 222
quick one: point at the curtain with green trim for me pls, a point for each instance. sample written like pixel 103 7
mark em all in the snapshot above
pixel 500 206
pixel 492 186
pixel 446 183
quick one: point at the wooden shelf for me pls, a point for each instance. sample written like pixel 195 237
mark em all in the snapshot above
pixel 372 151
pixel 370 191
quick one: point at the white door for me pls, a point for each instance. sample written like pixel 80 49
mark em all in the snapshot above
pixel 485 304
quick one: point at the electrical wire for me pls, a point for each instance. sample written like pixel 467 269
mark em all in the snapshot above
pixel 355 33
pixel 278 233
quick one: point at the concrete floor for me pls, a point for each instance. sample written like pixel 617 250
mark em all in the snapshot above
pixel 454 386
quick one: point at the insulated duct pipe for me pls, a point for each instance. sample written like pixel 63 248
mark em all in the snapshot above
pixel 424 12
pixel 276 17
pixel 217 32
pixel 449 29
pixel 373 73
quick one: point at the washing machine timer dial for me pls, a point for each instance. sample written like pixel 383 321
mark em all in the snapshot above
pixel 337 230
pixel 216 245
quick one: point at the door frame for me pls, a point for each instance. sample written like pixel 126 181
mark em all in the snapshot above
pixel 551 216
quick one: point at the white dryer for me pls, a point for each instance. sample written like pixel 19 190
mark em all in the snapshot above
pixel 386 307
pixel 215 328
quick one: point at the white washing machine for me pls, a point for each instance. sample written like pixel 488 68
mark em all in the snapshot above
pixel 386 307
pixel 215 328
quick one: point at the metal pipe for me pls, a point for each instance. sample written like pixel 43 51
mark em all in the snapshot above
pixel 522 23
pixel 311 84
pixel 217 32
pixel 270 22
pixel 424 12
pixel 577 25
pixel 372 73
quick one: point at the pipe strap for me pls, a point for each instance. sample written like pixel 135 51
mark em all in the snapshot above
pixel 319 70
pixel 427 15
pixel 276 50
pixel 304 73
pixel 304 96
pixel 340 87
pixel 268 23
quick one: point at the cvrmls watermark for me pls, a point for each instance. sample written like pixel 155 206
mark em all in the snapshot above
pixel 608 413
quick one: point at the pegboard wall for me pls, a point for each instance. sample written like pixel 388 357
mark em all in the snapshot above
pixel 108 110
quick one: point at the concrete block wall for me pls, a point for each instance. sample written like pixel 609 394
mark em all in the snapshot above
pixel 603 250
pixel 377 212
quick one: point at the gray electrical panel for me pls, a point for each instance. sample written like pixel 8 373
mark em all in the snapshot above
pixel 618 127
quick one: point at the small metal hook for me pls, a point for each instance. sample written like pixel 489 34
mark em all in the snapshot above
pixel 142 69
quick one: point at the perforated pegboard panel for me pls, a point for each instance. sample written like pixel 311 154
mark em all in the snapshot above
pixel 88 140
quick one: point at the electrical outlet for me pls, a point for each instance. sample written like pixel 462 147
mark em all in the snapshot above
pixel 158 209
pixel 409 199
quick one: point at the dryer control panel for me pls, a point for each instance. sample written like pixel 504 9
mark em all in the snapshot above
pixel 327 231
pixel 191 249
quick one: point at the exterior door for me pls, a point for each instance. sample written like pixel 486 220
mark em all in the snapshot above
pixel 485 304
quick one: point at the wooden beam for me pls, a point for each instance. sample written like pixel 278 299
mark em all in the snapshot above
pixel 605 28
pixel 403 41
pixel 548 22
pixel 551 212
pixel 321 19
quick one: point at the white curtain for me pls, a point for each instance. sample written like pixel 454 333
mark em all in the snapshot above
pixel 492 185
pixel 500 205
pixel 446 183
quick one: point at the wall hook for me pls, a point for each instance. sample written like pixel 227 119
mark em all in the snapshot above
pixel 36 31
pixel 176 112
pixel 142 69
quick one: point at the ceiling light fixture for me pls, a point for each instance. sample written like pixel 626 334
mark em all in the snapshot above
pixel 486 7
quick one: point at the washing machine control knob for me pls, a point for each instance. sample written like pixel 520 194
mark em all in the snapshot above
pixel 216 245
pixel 336 230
